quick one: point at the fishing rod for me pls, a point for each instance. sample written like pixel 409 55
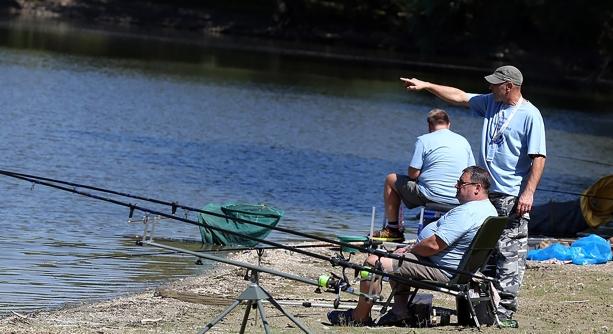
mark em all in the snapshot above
pixel 176 205
pixel 240 249
pixel 342 284
pixel 160 253
pixel 173 205
pixel 255 294
pixel 324 281
pixel 574 193
pixel 369 250
pixel 334 284
pixel 586 160
pixel 134 207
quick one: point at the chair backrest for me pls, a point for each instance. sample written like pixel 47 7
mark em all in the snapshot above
pixel 481 248
pixel 431 212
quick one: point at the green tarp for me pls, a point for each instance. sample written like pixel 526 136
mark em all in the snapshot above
pixel 258 213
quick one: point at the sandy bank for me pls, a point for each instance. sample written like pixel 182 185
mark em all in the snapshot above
pixel 554 298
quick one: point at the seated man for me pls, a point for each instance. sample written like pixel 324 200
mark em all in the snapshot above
pixel 438 158
pixel 450 237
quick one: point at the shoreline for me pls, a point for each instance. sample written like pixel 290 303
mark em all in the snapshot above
pixel 554 297
pixel 563 92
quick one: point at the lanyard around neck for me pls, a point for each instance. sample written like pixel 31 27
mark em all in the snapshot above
pixel 504 126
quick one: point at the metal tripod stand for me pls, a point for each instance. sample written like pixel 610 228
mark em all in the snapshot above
pixel 252 297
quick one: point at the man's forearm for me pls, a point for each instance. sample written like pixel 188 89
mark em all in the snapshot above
pixel 428 246
pixel 536 172
pixel 448 94
pixel 526 198
pixel 423 250
pixel 413 173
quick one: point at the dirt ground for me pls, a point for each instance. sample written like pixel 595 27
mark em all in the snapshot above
pixel 554 298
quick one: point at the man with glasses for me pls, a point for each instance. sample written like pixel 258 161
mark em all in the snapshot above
pixel 447 240
pixel 513 151
pixel 438 157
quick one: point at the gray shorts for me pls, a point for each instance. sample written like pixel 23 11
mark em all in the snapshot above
pixel 409 192
pixel 417 272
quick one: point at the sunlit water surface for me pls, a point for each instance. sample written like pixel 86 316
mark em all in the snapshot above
pixel 199 124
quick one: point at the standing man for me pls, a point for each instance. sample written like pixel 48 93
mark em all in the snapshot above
pixel 438 158
pixel 513 152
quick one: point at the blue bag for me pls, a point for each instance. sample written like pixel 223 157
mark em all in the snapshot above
pixel 594 250
pixel 588 250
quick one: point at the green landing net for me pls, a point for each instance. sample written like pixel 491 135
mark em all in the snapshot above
pixel 259 213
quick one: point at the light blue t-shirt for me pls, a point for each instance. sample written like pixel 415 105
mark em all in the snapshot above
pixel 441 156
pixel 507 157
pixel 457 229
pixel 426 232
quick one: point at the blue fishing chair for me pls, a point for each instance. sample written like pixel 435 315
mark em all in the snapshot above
pixel 431 212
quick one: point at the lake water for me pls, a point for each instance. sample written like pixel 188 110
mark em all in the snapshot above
pixel 204 122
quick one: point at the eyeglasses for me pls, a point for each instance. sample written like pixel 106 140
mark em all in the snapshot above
pixel 460 183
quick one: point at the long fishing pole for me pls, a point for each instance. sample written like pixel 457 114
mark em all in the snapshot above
pixel 176 205
pixel 335 261
pixel 574 193
pixel 240 249
pixel 202 251
pixel 318 283
pixel 586 160
pixel 132 207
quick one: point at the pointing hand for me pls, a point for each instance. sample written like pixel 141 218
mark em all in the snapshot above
pixel 413 84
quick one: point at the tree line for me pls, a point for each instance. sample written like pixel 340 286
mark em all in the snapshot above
pixel 566 38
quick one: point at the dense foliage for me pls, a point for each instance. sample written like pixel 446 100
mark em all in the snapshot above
pixel 569 38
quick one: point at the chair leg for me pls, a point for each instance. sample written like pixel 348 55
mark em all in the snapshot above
pixel 493 304
pixel 412 297
pixel 473 313
pixel 420 225
pixel 388 301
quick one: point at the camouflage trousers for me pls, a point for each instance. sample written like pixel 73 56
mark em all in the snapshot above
pixel 508 263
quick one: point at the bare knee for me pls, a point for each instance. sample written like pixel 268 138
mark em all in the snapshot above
pixel 390 179
pixel 382 263
pixel 371 260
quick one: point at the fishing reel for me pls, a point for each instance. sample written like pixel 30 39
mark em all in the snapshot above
pixel 335 284
pixel 332 283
